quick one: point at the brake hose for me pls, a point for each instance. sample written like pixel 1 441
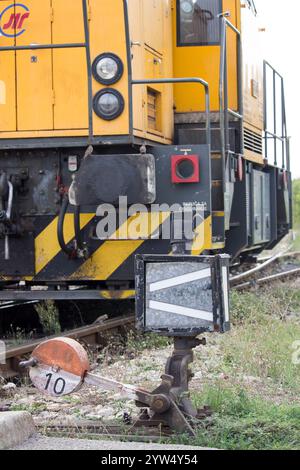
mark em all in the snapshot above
pixel 60 227
pixel 78 237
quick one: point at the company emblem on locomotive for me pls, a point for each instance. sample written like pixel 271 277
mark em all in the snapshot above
pixel 13 20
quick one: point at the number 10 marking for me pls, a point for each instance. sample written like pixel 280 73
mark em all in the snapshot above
pixel 59 385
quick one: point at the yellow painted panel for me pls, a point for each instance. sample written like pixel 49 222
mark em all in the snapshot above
pixel 108 34
pixel 38 134
pixel 135 12
pixel 46 244
pixel 7 72
pixel 204 62
pixel 116 294
pixel 153 15
pixel 254 157
pixel 253 71
pixel 34 70
pixel 203 237
pixel 151 64
pixel 168 94
pixel 157 138
pixel 69 66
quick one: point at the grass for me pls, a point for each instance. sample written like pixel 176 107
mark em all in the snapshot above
pixel 296 244
pixel 17 336
pixel 262 414
pixel 244 423
pixel 49 317
pixel 139 342
pixel 261 342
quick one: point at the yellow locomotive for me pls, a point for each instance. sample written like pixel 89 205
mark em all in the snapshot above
pixel 149 108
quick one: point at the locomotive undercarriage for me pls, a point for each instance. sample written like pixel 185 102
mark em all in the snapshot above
pixel 250 215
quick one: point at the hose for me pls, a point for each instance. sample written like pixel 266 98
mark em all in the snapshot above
pixel 60 227
pixel 78 237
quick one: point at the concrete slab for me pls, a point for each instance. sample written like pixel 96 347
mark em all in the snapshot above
pixel 15 428
pixel 46 443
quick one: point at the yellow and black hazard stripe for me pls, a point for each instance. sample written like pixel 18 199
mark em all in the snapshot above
pixel 111 259
pixel 105 256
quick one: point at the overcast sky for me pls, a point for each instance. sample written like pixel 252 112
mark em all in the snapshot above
pixel 282 49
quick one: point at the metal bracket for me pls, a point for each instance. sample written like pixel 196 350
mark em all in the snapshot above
pixel 175 387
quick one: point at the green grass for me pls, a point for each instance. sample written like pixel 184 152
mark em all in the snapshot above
pixel 49 317
pixel 260 345
pixel 296 244
pixel 261 342
pixel 243 423
pixel 140 342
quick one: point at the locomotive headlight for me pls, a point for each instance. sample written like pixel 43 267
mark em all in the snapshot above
pixel 108 104
pixel 107 68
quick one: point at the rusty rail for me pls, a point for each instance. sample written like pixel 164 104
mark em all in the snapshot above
pixel 265 262
pixel 88 333
pixel 268 279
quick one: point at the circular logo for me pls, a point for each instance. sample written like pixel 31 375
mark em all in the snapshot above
pixel 13 19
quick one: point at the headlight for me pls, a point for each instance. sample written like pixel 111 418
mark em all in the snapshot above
pixel 108 104
pixel 107 69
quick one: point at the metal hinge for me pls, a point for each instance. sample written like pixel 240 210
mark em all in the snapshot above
pixel 89 12
pixel 52 14
pixel 53 98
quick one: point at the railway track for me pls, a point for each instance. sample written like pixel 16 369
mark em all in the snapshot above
pixel 92 334
pixel 89 334
pixel 268 279
pixel 119 432
pixel 239 281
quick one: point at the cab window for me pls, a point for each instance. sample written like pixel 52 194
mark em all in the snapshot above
pixel 198 22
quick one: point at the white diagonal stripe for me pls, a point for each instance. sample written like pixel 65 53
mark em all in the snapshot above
pixel 177 281
pixel 226 294
pixel 183 311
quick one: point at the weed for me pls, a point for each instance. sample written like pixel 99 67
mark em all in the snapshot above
pixel 17 336
pixel 139 342
pixel 243 423
pixel 49 317
pixel 260 343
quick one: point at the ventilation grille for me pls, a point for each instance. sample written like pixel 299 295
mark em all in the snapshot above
pixel 152 109
pixel 253 142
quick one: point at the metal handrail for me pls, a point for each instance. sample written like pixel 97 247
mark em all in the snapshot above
pixel 185 80
pixel 32 47
pixel 273 135
pixel 86 45
pixel 225 111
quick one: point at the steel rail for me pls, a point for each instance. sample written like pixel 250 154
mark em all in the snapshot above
pixel 257 269
pixel 268 279
pixel 131 431
pixel 11 369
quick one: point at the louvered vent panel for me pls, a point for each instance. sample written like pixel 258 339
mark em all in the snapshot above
pixel 253 141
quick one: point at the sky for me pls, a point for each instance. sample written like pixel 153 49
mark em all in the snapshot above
pixel 282 50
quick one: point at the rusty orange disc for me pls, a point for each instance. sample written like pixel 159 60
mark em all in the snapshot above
pixel 62 365
pixel 64 353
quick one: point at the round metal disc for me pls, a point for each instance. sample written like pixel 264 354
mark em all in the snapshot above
pixel 62 365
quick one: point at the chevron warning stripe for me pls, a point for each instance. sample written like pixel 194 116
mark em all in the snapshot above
pixel 111 259
pixel 46 243
pixel 113 253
